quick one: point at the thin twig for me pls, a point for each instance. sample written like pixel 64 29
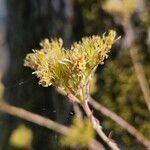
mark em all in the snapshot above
pixel 29 116
pixel 141 76
pixel 94 145
pixel 77 110
pixel 121 122
pixel 42 121
pixel 96 124
pixel 98 127
pixel 129 43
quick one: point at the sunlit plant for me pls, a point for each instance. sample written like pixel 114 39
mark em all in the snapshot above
pixel 120 8
pixel 70 70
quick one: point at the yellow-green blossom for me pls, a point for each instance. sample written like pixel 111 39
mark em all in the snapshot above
pixel 45 61
pixel 21 137
pixel 120 8
pixel 80 135
pixel 70 70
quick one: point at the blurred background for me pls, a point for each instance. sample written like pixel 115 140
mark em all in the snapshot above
pixel 121 84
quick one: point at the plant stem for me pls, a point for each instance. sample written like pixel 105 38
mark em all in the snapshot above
pixel 120 121
pixel 98 127
pixel 94 145
pixel 42 121
pixel 140 75
pixel 29 116
pixel 129 43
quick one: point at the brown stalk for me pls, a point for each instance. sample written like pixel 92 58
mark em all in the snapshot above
pixel 98 127
pixel 105 111
pixel 129 43
pixel 42 121
pixel 29 116
pixel 95 122
pixel 94 145
pixel 141 76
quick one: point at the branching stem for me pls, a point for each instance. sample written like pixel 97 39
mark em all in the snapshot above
pixel 98 127
pixel 42 121
pixel 29 116
pixel 120 122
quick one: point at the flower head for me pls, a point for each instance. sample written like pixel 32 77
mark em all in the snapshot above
pixel 70 70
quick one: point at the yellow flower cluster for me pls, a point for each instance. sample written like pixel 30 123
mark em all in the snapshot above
pixel 21 137
pixel 45 62
pixel 69 70
pixel 80 135
pixel 120 8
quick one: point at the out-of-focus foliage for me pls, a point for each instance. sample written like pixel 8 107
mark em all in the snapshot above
pixel 145 14
pixel 120 8
pixel 93 84
pixel 1 89
pixel 70 70
pixel 21 137
pixel 118 87
pixel 80 135
pixel 122 94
